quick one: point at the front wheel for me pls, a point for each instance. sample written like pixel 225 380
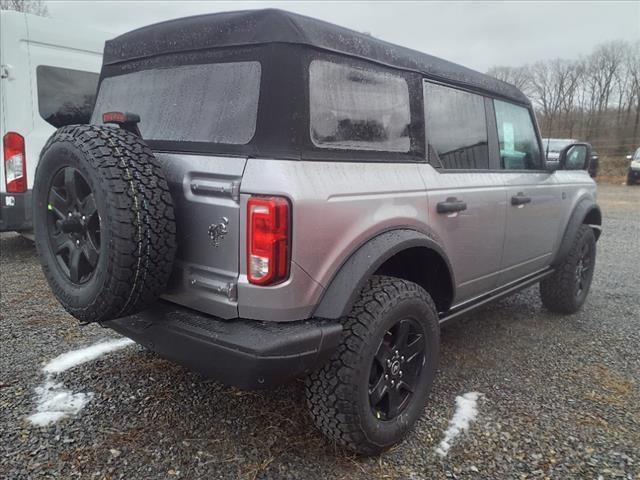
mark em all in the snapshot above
pixel 565 291
pixel 372 391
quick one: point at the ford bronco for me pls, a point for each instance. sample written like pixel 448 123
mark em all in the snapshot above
pixel 262 196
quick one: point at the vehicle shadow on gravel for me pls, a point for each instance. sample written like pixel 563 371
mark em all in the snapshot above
pixel 150 417
pixel 259 430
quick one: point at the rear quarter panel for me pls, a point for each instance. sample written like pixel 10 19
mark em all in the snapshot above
pixel 336 207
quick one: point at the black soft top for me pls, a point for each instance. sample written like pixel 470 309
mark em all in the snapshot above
pixel 259 27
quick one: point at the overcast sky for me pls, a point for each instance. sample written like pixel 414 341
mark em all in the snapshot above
pixel 476 34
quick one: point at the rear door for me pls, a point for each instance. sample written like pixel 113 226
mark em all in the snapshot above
pixel 190 108
pixel 466 199
pixel 206 195
pixel 534 198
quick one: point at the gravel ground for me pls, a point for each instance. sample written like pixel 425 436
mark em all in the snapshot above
pixel 561 396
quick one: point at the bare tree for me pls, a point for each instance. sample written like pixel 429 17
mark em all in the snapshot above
pixel 553 86
pixel 603 65
pixel 518 76
pixel 632 67
pixel 36 7
pixel 596 98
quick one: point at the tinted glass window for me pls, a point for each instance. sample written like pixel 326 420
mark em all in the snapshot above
pixel 357 109
pixel 519 148
pixel 456 128
pixel 215 103
pixel 65 97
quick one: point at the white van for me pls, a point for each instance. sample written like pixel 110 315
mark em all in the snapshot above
pixel 48 78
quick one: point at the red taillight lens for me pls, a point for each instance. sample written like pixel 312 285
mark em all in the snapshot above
pixel 15 163
pixel 268 232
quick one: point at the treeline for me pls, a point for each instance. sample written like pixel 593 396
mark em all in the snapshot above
pixel 595 98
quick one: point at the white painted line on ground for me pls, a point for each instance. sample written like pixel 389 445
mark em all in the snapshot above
pixel 466 412
pixel 54 400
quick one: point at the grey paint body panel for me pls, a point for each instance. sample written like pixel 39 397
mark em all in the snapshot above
pixel 481 225
pixel 205 276
pixel 345 214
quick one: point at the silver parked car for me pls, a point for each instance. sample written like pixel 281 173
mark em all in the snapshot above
pixel 262 196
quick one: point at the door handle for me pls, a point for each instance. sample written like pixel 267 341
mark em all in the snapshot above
pixel 451 205
pixel 520 199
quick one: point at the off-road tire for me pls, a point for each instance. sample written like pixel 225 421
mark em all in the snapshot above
pixel 137 241
pixel 337 393
pixel 558 291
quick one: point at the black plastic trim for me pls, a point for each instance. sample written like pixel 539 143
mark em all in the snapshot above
pixel 245 353
pixel 580 212
pixel 17 217
pixel 494 295
pixel 346 285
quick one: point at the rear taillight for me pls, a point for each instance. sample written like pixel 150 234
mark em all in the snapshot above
pixel 268 230
pixel 15 163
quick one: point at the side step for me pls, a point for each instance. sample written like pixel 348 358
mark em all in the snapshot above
pixel 501 292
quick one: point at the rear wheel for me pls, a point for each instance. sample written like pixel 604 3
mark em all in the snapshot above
pixel 103 222
pixel 566 290
pixel 370 394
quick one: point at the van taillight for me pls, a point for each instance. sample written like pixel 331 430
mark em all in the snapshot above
pixel 15 163
pixel 268 230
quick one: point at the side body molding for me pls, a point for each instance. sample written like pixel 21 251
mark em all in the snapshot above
pixel 346 285
pixel 585 207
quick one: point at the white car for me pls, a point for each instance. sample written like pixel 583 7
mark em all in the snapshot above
pixel 48 78
pixel 633 174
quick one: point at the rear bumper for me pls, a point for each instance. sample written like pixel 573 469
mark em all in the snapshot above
pixel 245 353
pixel 15 212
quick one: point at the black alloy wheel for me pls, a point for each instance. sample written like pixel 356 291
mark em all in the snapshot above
pixel 583 278
pixel 372 391
pixel 396 369
pixel 73 225
pixel 566 289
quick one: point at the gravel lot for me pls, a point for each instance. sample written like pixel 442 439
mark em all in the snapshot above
pixel 561 396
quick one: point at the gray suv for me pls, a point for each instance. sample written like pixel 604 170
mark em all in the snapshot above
pixel 262 196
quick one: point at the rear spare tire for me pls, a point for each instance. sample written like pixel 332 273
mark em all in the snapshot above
pixel 103 222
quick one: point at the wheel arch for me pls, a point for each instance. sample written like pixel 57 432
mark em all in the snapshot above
pixel 403 253
pixel 586 212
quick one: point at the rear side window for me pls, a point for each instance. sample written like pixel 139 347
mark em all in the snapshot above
pixel 358 109
pixel 65 97
pixel 456 128
pixel 214 103
pixel 519 149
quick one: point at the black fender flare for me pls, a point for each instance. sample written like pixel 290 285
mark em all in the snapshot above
pixel 584 207
pixel 346 284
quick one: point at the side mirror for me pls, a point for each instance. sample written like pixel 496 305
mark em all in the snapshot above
pixel 552 165
pixel 575 156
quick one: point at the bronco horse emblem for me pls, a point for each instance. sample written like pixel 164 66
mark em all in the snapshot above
pixel 217 231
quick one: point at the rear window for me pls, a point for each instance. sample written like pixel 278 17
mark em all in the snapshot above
pixel 215 103
pixel 65 97
pixel 357 109
pixel 456 128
